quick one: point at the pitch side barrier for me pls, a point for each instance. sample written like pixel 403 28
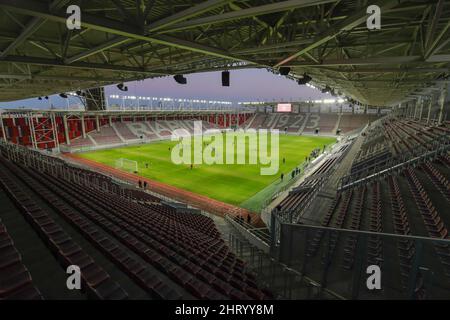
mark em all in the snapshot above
pixel 362 264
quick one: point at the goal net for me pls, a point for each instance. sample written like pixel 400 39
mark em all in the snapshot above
pixel 127 165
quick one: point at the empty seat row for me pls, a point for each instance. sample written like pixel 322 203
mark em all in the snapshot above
pixel 15 280
pixel 96 282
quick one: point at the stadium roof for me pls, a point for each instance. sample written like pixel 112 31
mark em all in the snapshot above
pixel 122 40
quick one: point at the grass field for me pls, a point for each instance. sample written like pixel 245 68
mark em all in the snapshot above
pixel 232 184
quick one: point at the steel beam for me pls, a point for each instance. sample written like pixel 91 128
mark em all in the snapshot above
pixel 373 61
pixel 334 30
pixel 247 13
pixel 32 26
pixel 101 47
pixel 37 9
pixel 186 14
pixel 77 65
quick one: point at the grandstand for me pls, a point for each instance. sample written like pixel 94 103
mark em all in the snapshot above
pixel 375 198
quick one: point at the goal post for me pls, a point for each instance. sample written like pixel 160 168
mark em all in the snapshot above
pixel 127 165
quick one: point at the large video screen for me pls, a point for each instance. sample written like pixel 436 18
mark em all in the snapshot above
pixel 284 107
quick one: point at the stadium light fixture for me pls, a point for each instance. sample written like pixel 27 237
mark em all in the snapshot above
pixel 122 87
pixel 304 80
pixel 284 71
pixel 180 79
pixel 225 78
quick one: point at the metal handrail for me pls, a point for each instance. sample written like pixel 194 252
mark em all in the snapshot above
pixel 264 239
pixel 394 167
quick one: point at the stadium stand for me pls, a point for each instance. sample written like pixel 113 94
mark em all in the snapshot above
pixel 300 123
pixel 410 200
pixel 395 187
pixel 123 130
pixel 106 135
pixel 352 121
pixel 194 256
pixel 302 194
pixel 15 280
pixel 376 199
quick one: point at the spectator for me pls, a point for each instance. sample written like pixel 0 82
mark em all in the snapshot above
pixel 249 219
pixel 293 174
pixel 140 184
pixel 145 185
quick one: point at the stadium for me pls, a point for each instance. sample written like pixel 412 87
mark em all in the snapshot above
pixel 125 196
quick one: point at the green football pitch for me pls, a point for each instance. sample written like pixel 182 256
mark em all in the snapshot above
pixel 237 184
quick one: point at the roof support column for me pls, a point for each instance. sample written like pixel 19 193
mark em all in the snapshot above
pixel 97 124
pixel 421 101
pixel 415 106
pixel 442 102
pixel 430 104
pixel 3 128
pixel 83 128
pixel 66 130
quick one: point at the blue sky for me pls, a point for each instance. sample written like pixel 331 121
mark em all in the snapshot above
pixel 245 85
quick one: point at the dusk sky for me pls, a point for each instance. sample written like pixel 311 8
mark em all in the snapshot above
pixel 245 85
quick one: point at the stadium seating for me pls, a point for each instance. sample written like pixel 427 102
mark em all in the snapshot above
pixel 106 135
pixel 387 212
pixel 351 122
pixel 179 255
pixel 15 280
pixel 96 281
pixel 186 248
pixel 412 200
pixel 297 197
pixel 135 131
pixel 124 131
pixel 307 123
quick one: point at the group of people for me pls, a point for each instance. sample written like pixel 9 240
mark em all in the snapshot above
pixel 294 172
pixel 142 185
